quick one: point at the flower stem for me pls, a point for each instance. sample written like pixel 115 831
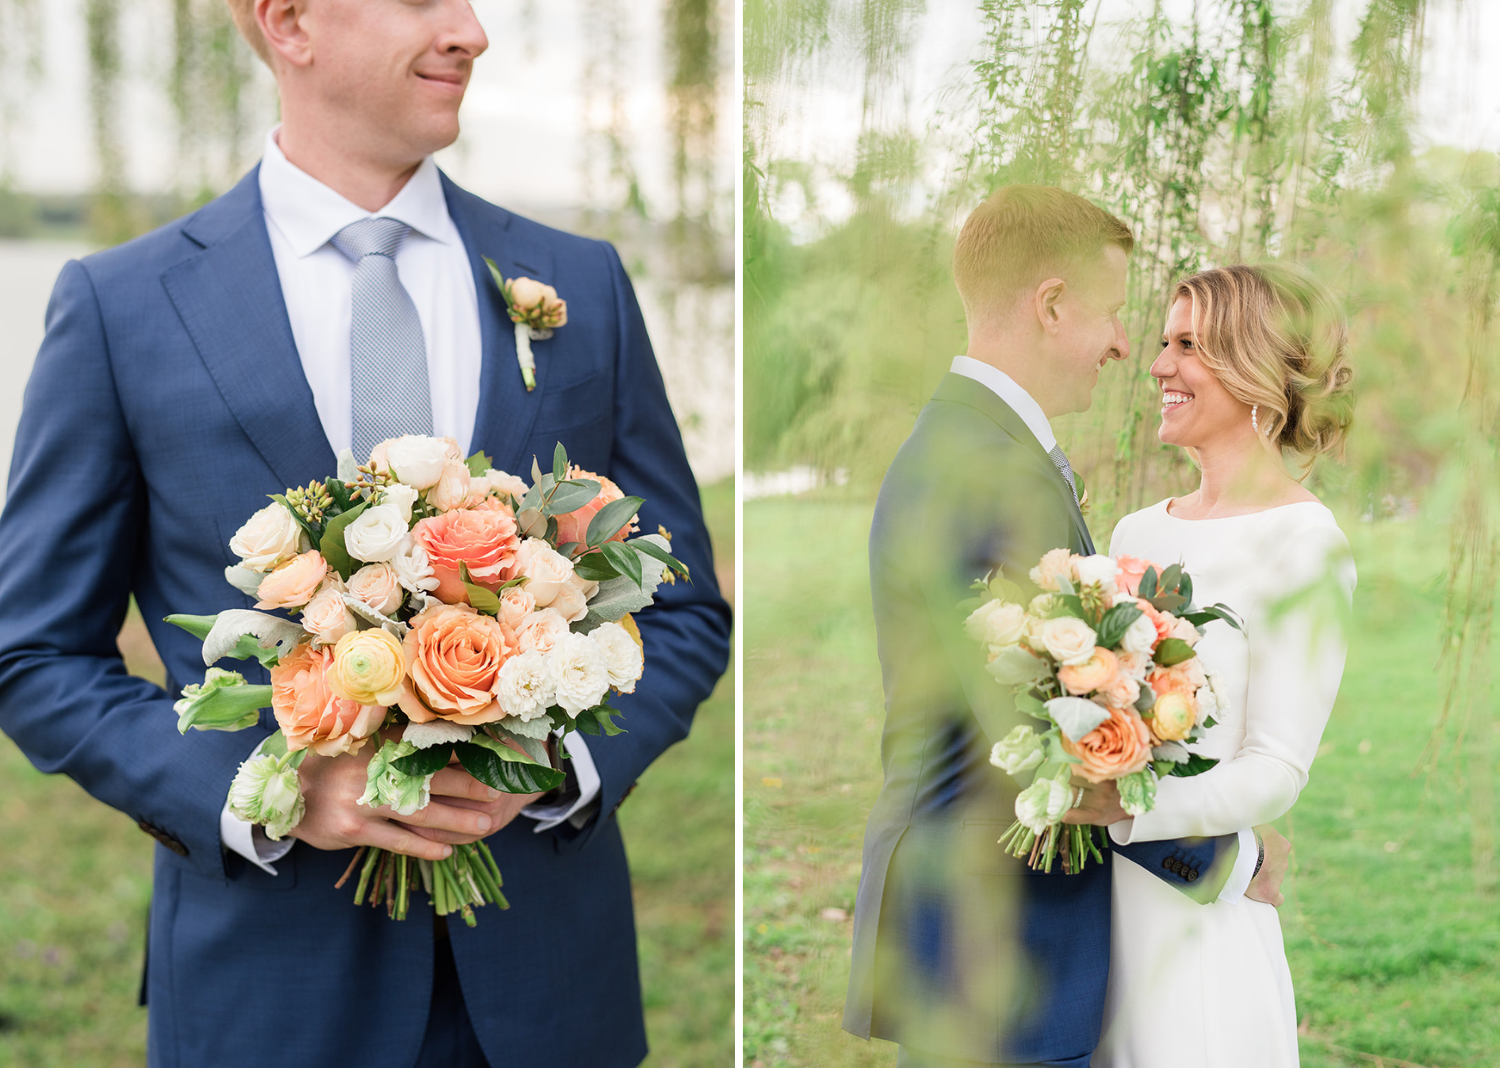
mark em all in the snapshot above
pixel 364 875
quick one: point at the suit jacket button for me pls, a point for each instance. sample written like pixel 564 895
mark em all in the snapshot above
pixel 1167 863
pixel 1192 874
pixel 163 837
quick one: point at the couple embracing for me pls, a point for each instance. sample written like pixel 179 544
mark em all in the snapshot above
pixel 1170 951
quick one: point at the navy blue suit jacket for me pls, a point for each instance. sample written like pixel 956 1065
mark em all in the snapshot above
pixel 166 402
pixel 960 950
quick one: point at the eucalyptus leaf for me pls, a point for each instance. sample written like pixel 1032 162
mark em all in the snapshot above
pixel 650 548
pixel 611 519
pixel 625 560
pixel 1185 587
pixel 559 462
pixel 1170 578
pixel 1147 588
pixel 594 567
pixel 621 596
pixel 481 599
pixel 332 545
pixel 571 496
pixel 1115 623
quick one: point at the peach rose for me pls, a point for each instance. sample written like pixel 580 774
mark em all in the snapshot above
pixel 1160 621
pixel 547 571
pixel 294 583
pixel 1173 716
pixel 326 616
pixel 378 587
pixel 1185 677
pixel 515 605
pixel 483 538
pixel 453 661
pixel 541 631
pixel 1122 691
pixel 310 714
pixel 574 525
pixel 1132 570
pixel 452 489
pixel 1121 745
pixel 537 303
pixel 1095 673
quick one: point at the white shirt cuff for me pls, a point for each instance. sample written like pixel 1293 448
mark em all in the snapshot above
pixel 576 812
pixel 248 839
pixel 1243 870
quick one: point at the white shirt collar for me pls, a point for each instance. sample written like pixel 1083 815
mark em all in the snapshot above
pixel 309 213
pixel 1006 388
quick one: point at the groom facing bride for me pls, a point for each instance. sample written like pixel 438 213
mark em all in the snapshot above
pixel 187 375
pixel 962 954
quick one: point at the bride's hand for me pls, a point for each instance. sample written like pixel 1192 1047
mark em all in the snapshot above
pixel 1099 803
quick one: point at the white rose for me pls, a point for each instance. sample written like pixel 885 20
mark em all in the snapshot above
pixel 540 631
pixel 413 569
pixel 580 673
pixel 378 586
pixel 1140 636
pixel 326 616
pixel 417 460
pixel 1068 639
pixel 451 490
pixel 1097 569
pixel 1018 751
pixel 526 688
pixel 1042 804
pixel 376 534
pixel 547 571
pixel 997 623
pixel 269 537
pixel 493 481
pixel 1184 630
pixel 400 496
pixel 621 654
pixel 572 601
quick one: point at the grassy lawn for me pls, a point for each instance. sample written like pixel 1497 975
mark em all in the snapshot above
pixel 76 880
pixel 1392 951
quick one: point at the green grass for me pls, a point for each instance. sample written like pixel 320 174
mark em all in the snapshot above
pixel 75 882
pixel 1392 950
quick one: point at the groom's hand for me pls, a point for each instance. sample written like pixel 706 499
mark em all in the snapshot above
pixel 1099 804
pixel 1266 886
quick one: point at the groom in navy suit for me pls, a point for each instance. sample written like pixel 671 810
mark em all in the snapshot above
pixel 962 954
pixel 187 375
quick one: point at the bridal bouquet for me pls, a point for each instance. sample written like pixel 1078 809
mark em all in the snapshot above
pixel 1104 658
pixel 435 608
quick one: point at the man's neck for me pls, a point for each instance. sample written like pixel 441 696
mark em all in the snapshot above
pixel 361 180
pixel 1024 367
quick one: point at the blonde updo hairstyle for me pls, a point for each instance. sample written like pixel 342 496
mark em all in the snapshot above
pixel 1275 337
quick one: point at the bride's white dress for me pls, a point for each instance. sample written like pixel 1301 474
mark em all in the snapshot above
pixel 1208 985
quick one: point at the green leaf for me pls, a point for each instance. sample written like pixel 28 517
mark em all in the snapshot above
pixel 571 496
pixel 339 492
pixel 425 761
pixel 1147 588
pixel 1069 604
pixel 478 464
pixel 650 548
pixel 594 567
pixel 274 744
pixel 1115 623
pixel 611 519
pixel 1173 651
pixel 620 596
pixel 1170 578
pixel 559 462
pixel 482 599
pixel 536 748
pixel 497 276
pixel 607 721
pixel 1065 586
pixel 1027 702
pixel 504 769
pixel 1168 602
pixel 332 545
pixel 197 626
pixel 586 723
pixel 1185 587
pixel 625 560
pixel 1196 765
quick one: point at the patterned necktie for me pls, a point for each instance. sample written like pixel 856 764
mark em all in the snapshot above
pixel 387 357
pixel 1061 463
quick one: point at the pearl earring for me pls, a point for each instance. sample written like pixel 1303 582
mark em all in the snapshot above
pixel 1254 424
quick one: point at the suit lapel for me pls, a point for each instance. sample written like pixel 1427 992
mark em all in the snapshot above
pixel 506 412
pixel 229 299
pixel 960 389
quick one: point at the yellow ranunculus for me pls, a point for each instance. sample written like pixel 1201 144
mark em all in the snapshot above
pixel 1173 716
pixel 368 666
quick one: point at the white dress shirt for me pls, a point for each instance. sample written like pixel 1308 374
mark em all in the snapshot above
pixel 302 216
pixel 1024 405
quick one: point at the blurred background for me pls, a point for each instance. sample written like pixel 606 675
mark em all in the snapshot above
pixel 1356 136
pixel 607 118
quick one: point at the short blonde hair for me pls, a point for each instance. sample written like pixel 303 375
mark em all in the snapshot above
pixel 243 13
pixel 1023 234
pixel 1276 338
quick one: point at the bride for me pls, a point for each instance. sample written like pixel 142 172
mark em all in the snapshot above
pixel 1253 374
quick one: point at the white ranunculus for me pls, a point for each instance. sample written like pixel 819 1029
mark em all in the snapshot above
pixel 1097 569
pixel 579 671
pixel 417 460
pixel 413 569
pixel 1018 751
pixel 401 497
pixel 264 792
pixel 997 623
pixel 269 537
pixel 526 688
pixel 437 732
pixel 1140 636
pixel 621 654
pixel 1067 639
pixel 1042 804
pixel 376 534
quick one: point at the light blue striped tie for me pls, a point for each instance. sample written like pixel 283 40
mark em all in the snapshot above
pixel 389 393
pixel 1061 463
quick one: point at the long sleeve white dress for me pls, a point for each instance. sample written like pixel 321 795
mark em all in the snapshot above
pixel 1208 985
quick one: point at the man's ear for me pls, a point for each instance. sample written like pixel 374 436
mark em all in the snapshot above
pixel 1046 300
pixel 281 24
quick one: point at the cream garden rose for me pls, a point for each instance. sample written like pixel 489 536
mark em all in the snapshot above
pixel 540 631
pixel 378 586
pixel 997 623
pixel 547 571
pixel 494 481
pixel 326 616
pixel 400 497
pixel 269 537
pixel 1096 570
pixel 453 487
pixel 416 460
pixel 1067 639
pixel 1054 565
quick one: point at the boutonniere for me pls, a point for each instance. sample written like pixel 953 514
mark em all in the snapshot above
pixel 1083 495
pixel 536 309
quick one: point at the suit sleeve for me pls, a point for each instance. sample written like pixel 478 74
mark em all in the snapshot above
pixel 686 631
pixel 71 533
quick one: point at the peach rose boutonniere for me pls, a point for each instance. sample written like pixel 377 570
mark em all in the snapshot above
pixel 536 309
